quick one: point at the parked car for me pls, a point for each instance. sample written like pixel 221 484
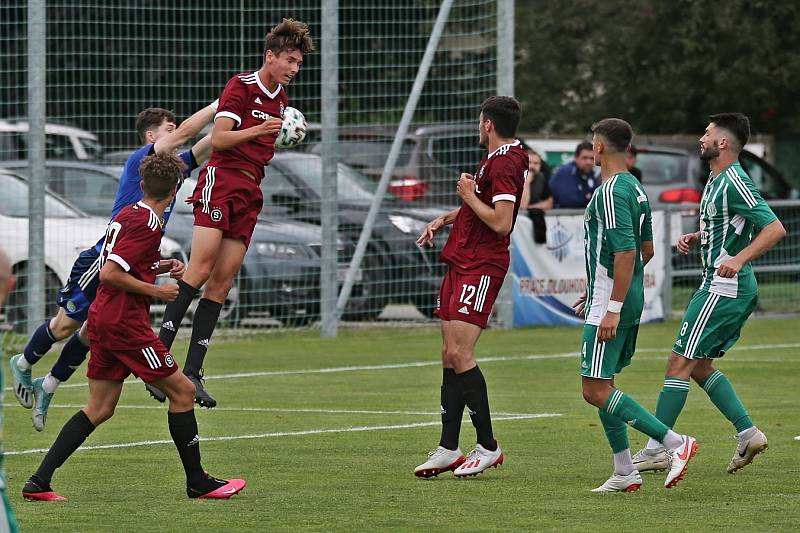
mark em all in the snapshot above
pixel 68 231
pixel 61 141
pixel 281 271
pixel 394 269
pixel 431 157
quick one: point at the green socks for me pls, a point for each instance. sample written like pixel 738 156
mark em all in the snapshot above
pixel 671 400
pixel 629 410
pixel 616 431
pixel 721 392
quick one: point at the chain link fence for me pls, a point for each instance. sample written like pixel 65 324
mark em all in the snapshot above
pixel 107 61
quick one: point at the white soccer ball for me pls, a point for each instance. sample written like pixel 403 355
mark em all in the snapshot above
pixel 293 129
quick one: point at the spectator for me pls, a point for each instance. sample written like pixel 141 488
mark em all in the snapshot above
pixel 7 521
pixel 536 196
pixel 630 160
pixel 572 184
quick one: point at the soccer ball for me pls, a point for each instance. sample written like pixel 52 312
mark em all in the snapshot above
pixel 293 129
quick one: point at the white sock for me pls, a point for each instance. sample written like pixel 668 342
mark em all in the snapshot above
pixel 747 433
pixel 623 465
pixel 654 446
pixel 50 384
pixel 24 364
pixel 672 440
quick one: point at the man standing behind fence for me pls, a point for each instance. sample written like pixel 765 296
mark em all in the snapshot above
pixel 477 256
pixel 730 210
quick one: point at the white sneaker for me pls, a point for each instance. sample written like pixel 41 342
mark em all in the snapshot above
pixel 479 460
pixel 646 460
pixel 439 460
pixel 680 458
pixel 619 483
pixel 747 450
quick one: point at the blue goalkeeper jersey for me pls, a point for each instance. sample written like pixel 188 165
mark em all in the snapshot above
pixel 129 190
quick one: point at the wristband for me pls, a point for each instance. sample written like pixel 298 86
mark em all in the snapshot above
pixel 214 105
pixel 614 306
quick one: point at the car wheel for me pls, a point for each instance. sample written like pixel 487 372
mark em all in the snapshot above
pixel 369 296
pixel 235 307
pixel 17 306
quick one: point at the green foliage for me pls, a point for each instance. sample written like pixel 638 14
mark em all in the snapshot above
pixel 663 65
pixel 362 481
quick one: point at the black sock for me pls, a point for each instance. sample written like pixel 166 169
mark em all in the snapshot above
pixel 452 409
pixel 477 399
pixel 183 429
pixel 71 437
pixel 72 357
pixel 205 320
pixel 174 312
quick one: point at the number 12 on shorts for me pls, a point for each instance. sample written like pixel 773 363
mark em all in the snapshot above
pixel 475 295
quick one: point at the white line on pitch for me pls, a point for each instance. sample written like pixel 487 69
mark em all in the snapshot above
pixel 163 407
pixel 281 434
pixel 415 364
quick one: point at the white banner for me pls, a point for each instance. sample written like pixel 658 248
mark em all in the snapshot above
pixel 548 278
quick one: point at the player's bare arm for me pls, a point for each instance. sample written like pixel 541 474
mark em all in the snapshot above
pixel 201 150
pixel 186 131
pixel 768 237
pixel 114 275
pixel 175 268
pixel 435 225
pixel 623 272
pixel 224 137
pixel 648 252
pixel 500 217
pixel 685 242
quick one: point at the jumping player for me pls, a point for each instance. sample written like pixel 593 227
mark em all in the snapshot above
pixel 731 209
pixel 156 128
pixel 228 198
pixel 618 243
pixel 477 256
pixel 123 343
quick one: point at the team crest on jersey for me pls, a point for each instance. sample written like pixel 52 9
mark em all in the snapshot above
pixel 169 360
pixel 216 214
pixel 71 307
pixel 711 209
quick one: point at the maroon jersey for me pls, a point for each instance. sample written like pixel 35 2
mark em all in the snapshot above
pixel 247 101
pixel 472 245
pixel 119 319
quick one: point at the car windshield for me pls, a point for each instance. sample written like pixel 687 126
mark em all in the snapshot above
pixel 361 154
pixel 351 184
pixel 14 200
pixel 93 148
pixel 662 167
pixel 767 180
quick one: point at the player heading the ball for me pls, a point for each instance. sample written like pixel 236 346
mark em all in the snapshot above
pixel 228 199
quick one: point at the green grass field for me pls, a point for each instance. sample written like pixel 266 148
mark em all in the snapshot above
pixel 335 450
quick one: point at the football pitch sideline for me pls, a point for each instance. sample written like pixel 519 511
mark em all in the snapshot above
pixel 327 433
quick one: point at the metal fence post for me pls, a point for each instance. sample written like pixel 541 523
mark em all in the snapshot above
pixel 505 86
pixel 328 218
pixel 666 288
pixel 37 65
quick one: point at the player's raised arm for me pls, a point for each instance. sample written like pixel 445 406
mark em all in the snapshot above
pixel 187 130
pixel 224 137
pixel 499 216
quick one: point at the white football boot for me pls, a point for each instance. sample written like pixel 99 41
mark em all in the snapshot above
pixel 439 460
pixel 747 450
pixel 619 483
pixel 680 460
pixel 646 460
pixel 479 460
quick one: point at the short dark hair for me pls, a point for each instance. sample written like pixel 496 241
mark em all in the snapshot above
pixel 615 132
pixel 160 173
pixel 736 123
pixel 151 118
pixel 504 112
pixel 288 35
pixel 583 145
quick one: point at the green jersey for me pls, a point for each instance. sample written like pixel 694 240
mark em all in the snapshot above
pixel 731 208
pixel 617 219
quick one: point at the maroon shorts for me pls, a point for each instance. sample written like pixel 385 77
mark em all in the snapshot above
pixel 228 200
pixel 150 363
pixel 467 297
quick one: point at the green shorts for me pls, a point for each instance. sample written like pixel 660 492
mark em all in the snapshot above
pixel 712 324
pixel 603 360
